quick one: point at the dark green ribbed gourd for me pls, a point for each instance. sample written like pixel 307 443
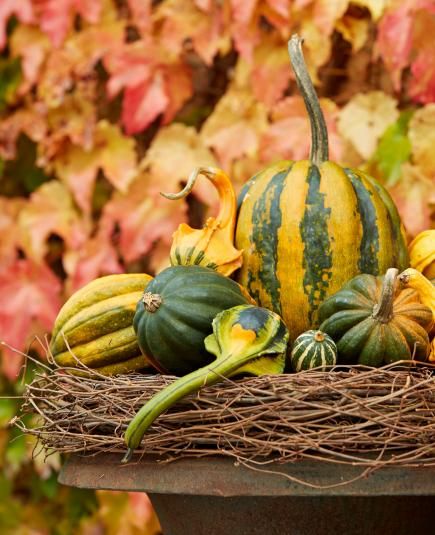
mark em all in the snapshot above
pixel 176 312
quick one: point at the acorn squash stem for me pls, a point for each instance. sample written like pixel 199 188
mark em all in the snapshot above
pixel 226 218
pixel 384 309
pixel 166 398
pixel 319 134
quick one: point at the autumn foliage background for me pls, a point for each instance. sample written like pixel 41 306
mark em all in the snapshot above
pixel 105 103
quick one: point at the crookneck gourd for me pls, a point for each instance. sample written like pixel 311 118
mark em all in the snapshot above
pixel 313 349
pixel 308 227
pixel 422 253
pixel 245 339
pixel 411 278
pixel 213 245
pixel 95 326
pixel 175 314
pixel 374 321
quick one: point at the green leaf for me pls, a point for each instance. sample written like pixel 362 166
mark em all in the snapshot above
pixel 394 149
pixel 16 452
pixel 7 411
pixel 10 78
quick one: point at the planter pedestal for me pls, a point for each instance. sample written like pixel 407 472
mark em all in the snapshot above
pixel 212 496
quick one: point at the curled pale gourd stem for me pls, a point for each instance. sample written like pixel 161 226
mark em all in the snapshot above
pixel 213 245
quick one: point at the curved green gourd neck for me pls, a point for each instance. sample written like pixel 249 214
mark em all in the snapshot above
pixel 383 311
pixel 319 134
pixel 188 384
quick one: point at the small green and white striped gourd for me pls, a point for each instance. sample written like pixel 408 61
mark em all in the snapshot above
pixel 313 349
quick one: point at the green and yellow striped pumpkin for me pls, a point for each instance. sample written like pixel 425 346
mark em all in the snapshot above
pixel 308 227
pixel 312 349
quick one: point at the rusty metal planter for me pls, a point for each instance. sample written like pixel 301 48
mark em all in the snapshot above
pixel 212 496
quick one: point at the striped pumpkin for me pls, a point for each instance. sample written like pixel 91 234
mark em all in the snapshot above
pixel 308 227
pixel 313 349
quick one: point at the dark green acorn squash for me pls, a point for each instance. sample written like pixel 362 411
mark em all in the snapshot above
pixel 308 227
pixel 374 321
pixel 176 312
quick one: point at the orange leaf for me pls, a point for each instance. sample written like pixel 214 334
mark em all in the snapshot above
pixel 289 136
pixel 143 218
pixel 111 152
pixel 50 211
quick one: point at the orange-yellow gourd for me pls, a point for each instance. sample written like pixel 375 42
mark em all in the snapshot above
pixel 212 246
pixel 411 278
pixel 422 253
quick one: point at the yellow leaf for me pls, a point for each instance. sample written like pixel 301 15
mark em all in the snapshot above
pixel 364 119
pixel 354 30
pixel 376 7
pixel 234 128
pixel 422 136
pixel 31 45
pixel 111 151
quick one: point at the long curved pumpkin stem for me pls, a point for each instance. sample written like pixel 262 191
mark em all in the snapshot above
pixel 319 134
pixel 384 309
pixel 213 245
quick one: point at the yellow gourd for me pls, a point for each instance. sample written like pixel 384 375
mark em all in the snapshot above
pixel 412 278
pixel 212 246
pixel 422 253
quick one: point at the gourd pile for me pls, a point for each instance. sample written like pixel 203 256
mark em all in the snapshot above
pixel 309 269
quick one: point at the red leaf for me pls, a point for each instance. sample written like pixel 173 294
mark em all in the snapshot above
pixel 289 136
pixel 152 83
pixel 28 293
pixel 422 85
pixel 141 14
pixel 142 104
pixel 22 9
pixel 57 16
pixel 394 41
pixel 95 258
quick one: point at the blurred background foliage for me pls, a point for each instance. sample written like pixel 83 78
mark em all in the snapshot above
pixel 105 103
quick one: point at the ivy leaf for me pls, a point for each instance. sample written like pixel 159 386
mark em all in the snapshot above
pixel 9 230
pixel 141 15
pixel 365 118
pixel 75 61
pixel 148 80
pixel 98 256
pixel 413 195
pixel 271 62
pixel 22 9
pixel 111 152
pixel 234 127
pixel 32 46
pixel 56 17
pixel 29 293
pixel 28 120
pixel 394 149
pixel 143 218
pixel 50 211
pixel 289 135
pixel 204 27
